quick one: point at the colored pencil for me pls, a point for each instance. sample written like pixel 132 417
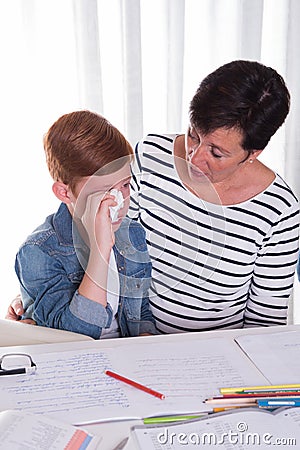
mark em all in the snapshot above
pixel 229 401
pixel 262 394
pixel 228 408
pixel 134 384
pixel 275 403
pixel 280 387
pixel 175 418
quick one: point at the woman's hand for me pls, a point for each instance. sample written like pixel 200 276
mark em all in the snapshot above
pixel 16 310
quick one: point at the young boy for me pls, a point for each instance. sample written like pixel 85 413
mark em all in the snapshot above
pixel 84 270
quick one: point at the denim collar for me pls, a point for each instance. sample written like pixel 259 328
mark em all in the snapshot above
pixel 65 229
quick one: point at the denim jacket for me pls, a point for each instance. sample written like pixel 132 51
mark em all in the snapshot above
pixel 47 265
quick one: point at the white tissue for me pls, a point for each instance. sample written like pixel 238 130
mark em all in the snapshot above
pixel 120 202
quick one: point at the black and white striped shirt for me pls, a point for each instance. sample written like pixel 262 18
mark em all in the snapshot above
pixel 214 266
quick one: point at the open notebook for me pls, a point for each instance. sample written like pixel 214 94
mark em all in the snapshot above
pixel 243 429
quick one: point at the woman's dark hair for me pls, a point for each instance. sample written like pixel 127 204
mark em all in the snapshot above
pixel 244 95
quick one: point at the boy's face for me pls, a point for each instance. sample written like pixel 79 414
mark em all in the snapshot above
pixel 103 184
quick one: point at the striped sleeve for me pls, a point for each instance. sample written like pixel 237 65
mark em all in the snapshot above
pixel 274 269
pixel 134 211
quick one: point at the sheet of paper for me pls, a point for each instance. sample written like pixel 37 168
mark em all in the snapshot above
pixel 72 385
pixel 276 355
pixel 251 428
pixel 21 430
pixel 189 374
pixel 292 414
pixel 67 385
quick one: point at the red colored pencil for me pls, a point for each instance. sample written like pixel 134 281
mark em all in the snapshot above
pixel 134 384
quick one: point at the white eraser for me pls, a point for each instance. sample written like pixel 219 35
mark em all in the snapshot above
pixel 120 202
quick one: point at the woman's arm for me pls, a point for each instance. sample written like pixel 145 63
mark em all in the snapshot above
pixel 274 272
pixel 134 209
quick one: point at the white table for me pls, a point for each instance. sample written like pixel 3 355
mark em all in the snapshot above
pixel 114 432
pixel 18 333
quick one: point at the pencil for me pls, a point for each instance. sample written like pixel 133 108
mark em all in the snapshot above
pixel 261 394
pixel 134 384
pixel 227 408
pixel 279 387
pixel 236 398
pixel 272 403
pixel 176 418
pixel 229 401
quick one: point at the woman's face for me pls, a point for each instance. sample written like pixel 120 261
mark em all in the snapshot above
pixel 215 157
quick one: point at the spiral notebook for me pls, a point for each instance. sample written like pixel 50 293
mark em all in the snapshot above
pixel 243 429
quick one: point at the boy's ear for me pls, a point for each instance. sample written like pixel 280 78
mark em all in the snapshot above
pixel 61 191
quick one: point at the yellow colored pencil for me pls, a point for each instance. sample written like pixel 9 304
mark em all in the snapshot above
pixel 257 388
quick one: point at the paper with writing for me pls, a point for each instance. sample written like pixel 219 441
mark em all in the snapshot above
pixel 72 385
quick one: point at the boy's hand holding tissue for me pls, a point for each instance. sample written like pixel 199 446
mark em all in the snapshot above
pixel 101 211
pixel 120 203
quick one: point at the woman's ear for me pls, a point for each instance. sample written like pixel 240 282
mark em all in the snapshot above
pixel 62 192
pixel 255 154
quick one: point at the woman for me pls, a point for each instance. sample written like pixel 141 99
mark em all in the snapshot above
pixel 222 228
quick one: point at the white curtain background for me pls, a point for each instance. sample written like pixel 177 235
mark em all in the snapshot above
pixel 137 62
